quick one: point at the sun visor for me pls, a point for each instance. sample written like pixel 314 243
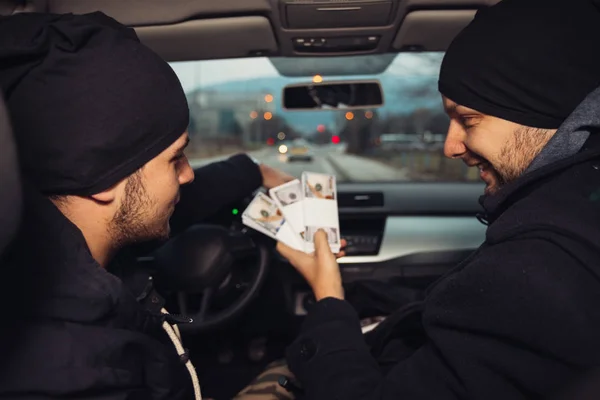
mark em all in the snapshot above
pixel 211 38
pixel 159 12
pixel 416 32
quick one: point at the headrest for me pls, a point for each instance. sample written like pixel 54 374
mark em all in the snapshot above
pixel 10 194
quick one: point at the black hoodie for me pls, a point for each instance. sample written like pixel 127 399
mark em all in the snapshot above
pixel 519 319
pixel 73 330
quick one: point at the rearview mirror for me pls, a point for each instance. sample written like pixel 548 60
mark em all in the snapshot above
pixel 333 95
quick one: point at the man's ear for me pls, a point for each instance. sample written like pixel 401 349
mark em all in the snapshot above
pixel 107 196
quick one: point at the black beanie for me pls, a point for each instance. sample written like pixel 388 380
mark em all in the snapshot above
pixel 90 104
pixel 527 61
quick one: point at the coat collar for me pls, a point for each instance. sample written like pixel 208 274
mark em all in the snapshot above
pixel 56 276
pixel 495 204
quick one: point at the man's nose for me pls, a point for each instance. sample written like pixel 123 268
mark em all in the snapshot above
pixel 454 147
pixel 187 174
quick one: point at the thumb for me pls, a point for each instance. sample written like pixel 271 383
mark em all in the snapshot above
pixel 322 249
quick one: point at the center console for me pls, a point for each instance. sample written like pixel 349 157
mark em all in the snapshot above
pixel 364 235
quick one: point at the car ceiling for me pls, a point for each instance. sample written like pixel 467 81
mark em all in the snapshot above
pixel 208 29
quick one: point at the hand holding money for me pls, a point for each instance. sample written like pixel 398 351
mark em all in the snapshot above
pixel 303 217
pixel 320 269
pixel 296 210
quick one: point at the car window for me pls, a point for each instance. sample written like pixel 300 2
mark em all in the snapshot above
pixel 236 106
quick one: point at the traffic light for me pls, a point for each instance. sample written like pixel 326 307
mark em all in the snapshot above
pixel 270 141
pixel 335 139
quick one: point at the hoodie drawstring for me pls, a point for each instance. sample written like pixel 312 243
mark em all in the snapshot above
pixel 175 336
pixel 483 218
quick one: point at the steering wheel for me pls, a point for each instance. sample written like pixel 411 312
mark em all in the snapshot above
pixel 200 261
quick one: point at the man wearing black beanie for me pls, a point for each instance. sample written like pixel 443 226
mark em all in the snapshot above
pixel 100 122
pixel 519 319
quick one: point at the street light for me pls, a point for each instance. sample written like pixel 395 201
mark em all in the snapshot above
pixel 349 116
pixel 317 79
pixel 268 98
pixel 268 116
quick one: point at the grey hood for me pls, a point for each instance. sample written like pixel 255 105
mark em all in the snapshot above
pixel 572 134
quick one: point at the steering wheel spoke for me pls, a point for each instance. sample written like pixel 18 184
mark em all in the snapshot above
pixel 182 303
pixel 241 245
pixel 207 297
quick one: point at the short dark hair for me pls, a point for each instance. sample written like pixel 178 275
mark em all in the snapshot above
pixel 60 199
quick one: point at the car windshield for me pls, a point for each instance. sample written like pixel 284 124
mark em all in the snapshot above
pixel 236 106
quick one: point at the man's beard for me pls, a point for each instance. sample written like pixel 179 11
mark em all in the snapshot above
pixel 136 220
pixel 516 156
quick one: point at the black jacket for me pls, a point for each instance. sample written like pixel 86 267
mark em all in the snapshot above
pixel 519 319
pixel 72 330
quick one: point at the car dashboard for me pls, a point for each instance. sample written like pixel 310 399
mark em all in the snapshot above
pixel 408 221
pixel 400 232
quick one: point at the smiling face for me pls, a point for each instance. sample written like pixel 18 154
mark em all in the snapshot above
pixel 501 149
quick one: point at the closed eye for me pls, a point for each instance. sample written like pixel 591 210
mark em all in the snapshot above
pixel 180 154
pixel 468 121
pixel 178 157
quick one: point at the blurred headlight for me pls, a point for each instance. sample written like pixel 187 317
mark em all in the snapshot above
pixel 283 149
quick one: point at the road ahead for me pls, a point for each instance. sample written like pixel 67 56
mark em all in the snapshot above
pixel 326 159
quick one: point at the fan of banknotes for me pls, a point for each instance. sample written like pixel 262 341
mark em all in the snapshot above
pixel 293 212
